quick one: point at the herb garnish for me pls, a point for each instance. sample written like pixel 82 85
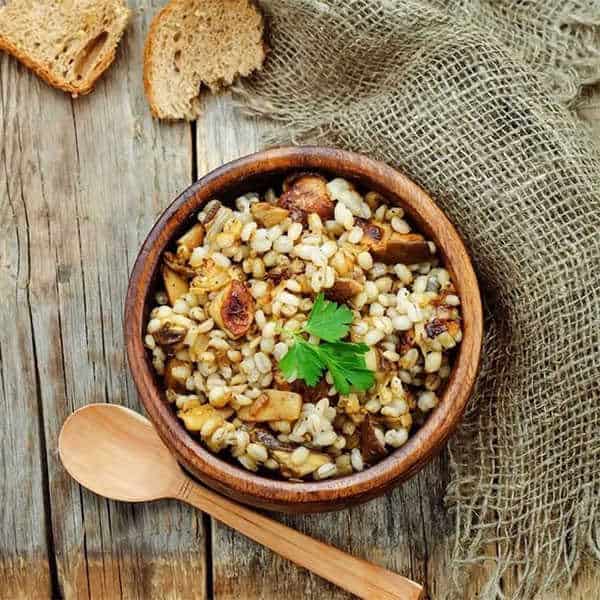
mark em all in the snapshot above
pixel 344 360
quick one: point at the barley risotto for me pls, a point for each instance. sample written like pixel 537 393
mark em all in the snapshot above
pixel 306 332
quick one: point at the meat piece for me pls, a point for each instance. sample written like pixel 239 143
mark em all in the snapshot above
pixel 305 193
pixel 371 447
pixel 233 309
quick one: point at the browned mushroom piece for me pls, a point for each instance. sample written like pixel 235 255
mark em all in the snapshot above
pixel 277 275
pixel 176 264
pixel 214 217
pixel 170 336
pixel 193 237
pixel 310 465
pixel 233 309
pixel 175 285
pixel 172 382
pixel 305 193
pixel 343 290
pixel 391 247
pixel 406 341
pixel 267 214
pixel 273 405
pixel 311 394
pixel 406 248
pixel 261 435
pixel 211 277
pixel 371 447
pixel 209 212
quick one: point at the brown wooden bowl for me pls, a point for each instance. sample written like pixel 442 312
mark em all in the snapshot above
pixel 255 173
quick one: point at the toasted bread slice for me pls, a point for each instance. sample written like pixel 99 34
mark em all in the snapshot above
pixel 195 43
pixel 69 43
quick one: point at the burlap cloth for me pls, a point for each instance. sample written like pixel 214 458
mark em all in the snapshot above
pixel 471 99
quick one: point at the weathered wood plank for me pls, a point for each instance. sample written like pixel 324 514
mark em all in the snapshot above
pixel 95 173
pixel 24 551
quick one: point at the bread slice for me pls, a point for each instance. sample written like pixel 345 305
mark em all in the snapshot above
pixel 192 43
pixel 69 43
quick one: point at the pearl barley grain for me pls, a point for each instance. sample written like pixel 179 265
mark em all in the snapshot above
pixel 365 261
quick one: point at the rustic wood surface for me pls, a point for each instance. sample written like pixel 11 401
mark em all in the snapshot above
pixel 81 183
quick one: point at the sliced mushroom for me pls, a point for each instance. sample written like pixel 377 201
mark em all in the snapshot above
pixel 211 277
pixel 196 417
pixel 406 341
pixel 199 346
pixel 277 275
pixel 209 212
pixel 305 193
pixel 261 435
pixel 233 309
pixel 175 285
pixel 404 421
pixel 176 264
pixel 267 214
pixel 311 464
pixel 170 335
pixel 193 238
pixel 391 247
pixel 406 248
pixel 373 360
pixel 371 447
pixel 273 405
pixel 343 290
pixel 217 224
pixel 172 380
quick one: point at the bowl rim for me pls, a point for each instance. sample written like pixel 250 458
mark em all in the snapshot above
pixel 422 445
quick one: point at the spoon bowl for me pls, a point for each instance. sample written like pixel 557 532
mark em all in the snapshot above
pixel 116 453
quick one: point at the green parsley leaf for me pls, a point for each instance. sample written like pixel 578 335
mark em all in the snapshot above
pixel 328 320
pixel 344 360
pixel 302 361
pixel 346 363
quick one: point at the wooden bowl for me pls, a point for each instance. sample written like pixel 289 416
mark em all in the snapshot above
pixel 255 173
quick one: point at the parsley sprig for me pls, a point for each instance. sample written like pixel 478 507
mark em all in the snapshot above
pixel 344 360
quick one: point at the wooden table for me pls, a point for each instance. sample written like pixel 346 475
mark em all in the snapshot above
pixel 82 181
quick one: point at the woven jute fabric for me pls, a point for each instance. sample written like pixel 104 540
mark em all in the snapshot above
pixel 472 100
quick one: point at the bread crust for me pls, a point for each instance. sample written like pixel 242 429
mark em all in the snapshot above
pixel 149 47
pixel 44 73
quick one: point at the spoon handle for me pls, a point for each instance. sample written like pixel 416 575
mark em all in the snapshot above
pixel 357 576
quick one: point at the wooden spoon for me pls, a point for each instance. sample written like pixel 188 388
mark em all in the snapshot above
pixel 116 453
